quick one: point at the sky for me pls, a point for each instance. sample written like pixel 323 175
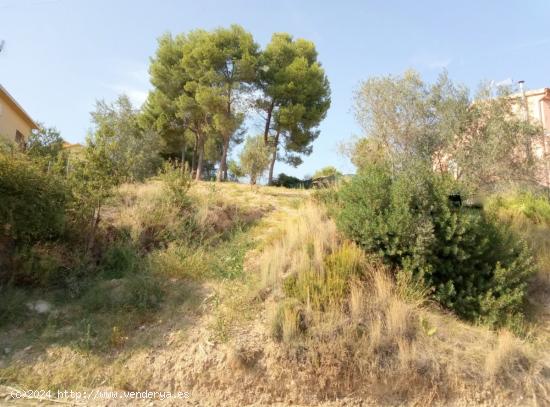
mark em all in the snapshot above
pixel 61 56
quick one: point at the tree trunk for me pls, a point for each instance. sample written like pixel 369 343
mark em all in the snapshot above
pixel 273 159
pixel 193 160
pixel 93 228
pixel 183 162
pixel 268 123
pixel 222 171
pixel 200 148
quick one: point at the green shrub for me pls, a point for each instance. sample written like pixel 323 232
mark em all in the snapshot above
pixel 287 181
pixel 12 304
pixel 181 261
pixel 177 181
pixel 119 260
pixel 329 285
pixel 33 202
pixel 38 265
pixel 475 265
pixel 137 292
pixel 329 198
pixel 528 205
pixel 32 209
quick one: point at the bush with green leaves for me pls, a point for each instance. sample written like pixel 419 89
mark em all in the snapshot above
pixel 287 181
pixel 32 210
pixel 33 202
pixel 177 182
pixel 255 158
pixel 475 265
pixel 326 172
pixel 45 142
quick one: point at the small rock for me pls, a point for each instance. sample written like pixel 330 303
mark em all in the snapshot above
pixel 7 350
pixel 28 348
pixel 40 306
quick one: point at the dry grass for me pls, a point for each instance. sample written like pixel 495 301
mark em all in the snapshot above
pixel 310 319
pixel 345 330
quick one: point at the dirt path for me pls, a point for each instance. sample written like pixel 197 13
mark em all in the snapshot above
pixel 213 360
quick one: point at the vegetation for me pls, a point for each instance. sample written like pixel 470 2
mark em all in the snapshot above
pixel 121 263
pixel 32 210
pixel 287 181
pixel 345 321
pixel 201 80
pixel 45 142
pixel 476 267
pixel 202 85
pixel 255 158
pixel 133 154
pixel 295 97
pixel 326 172
pixel 481 141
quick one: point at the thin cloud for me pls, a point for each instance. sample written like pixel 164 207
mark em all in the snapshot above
pixel 504 82
pixel 133 82
pixel 136 95
pixel 431 62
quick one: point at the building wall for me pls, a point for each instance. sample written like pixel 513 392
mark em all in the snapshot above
pixel 546 116
pixel 12 121
pixel 538 105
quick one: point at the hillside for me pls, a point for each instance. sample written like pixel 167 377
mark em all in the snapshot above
pixel 233 321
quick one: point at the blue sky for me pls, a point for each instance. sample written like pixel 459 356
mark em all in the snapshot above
pixel 63 55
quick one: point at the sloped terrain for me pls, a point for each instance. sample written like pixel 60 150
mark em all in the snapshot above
pixel 280 311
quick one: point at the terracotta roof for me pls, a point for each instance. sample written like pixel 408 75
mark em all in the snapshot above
pixel 18 107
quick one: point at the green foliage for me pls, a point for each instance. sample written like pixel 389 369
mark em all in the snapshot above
pixel 38 266
pixel 229 259
pixel 287 181
pixel 33 202
pixel 235 170
pixel 329 198
pixel 199 80
pixel 45 142
pixel 328 287
pixel 12 304
pixel 134 292
pixel 476 266
pixel 177 182
pixel 295 95
pixel 534 207
pixel 119 260
pixel 482 142
pixel 255 158
pixel 91 181
pixel 133 153
pixel 326 172
pixel 181 260
pixel 202 80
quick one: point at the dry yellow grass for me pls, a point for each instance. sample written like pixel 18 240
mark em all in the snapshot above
pixel 312 320
pixel 385 341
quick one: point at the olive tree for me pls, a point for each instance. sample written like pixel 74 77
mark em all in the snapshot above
pixel 481 141
pixel 255 158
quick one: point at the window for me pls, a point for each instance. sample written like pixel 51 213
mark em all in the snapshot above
pixel 20 139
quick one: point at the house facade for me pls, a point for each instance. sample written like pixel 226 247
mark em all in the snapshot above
pixel 15 124
pixel 534 106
